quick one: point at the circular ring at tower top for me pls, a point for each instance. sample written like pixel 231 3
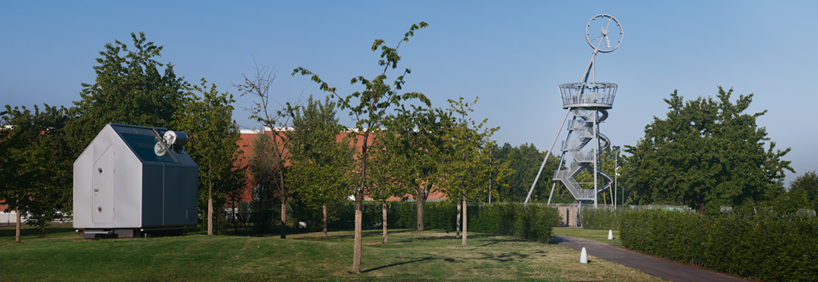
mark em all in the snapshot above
pixel 604 33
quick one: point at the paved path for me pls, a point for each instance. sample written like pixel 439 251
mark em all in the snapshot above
pixel 661 268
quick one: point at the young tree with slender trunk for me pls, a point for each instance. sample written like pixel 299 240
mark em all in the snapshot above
pixel 469 165
pixel 415 135
pixel 258 86
pixel 213 136
pixel 320 163
pixel 368 108
pixel 389 172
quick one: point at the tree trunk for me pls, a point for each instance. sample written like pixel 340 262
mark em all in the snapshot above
pixel 283 218
pixel 209 214
pixel 420 198
pixel 235 219
pixel 458 221
pixel 356 256
pixel 465 220
pixel 18 227
pixel 325 219
pixel 384 222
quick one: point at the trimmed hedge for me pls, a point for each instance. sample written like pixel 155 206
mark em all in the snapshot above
pixel 764 246
pixel 532 222
pixel 602 218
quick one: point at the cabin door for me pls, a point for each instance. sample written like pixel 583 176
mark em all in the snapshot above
pixel 103 185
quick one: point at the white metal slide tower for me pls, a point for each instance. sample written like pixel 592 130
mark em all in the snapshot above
pixel 588 102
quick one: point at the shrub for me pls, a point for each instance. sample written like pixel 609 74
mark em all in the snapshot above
pixel 532 221
pixel 765 246
pixel 601 218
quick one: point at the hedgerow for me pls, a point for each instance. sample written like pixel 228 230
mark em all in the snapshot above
pixel 765 246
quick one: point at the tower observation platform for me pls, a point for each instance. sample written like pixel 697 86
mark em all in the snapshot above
pixel 597 95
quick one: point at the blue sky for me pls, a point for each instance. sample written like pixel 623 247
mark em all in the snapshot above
pixel 511 54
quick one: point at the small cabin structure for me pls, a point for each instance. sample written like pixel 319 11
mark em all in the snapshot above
pixel 133 181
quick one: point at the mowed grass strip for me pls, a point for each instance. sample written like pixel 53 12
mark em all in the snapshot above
pixel 409 256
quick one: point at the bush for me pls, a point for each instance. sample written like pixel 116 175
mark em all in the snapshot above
pixel 532 221
pixel 601 218
pixel 765 246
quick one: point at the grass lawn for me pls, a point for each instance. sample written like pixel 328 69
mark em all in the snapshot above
pixel 409 256
pixel 591 234
pixel 27 233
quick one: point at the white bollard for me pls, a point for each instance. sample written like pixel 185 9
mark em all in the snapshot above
pixel 583 256
pixel 610 234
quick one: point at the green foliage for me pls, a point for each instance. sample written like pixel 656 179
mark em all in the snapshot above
pixel 129 89
pixel 372 103
pixel 319 168
pixel 36 164
pixel 805 189
pixel 524 161
pixel 263 167
pixel 319 162
pixel 531 221
pixel 706 153
pixel 369 112
pixel 213 136
pixel 765 246
pixel 408 154
pixel 601 218
pixel 467 163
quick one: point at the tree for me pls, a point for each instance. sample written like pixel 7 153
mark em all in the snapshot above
pixel 806 188
pixel 410 149
pixel 705 154
pixel 468 164
pixel 128 89
pixel 213 136
pixel 523 162
pixel 368 113
pixel 34 170
pixel 320 162
pixel 388 173
pixel 258 86
pixel 263 167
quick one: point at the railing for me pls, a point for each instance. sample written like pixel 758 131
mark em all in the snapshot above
pixel 594 94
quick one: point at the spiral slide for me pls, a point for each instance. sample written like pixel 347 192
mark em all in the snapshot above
pixel 583 127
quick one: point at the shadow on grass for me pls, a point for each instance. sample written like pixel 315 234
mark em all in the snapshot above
pixel 495 241
pixel 396 264
pixel 504 257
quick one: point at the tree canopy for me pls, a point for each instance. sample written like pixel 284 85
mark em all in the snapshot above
pixel 35 170
pixel 706 153
pixel 409 150
pixel 320 167
pixel 130 88
pixel 524 161
pixel 805 189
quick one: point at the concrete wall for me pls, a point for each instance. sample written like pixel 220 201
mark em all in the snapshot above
pixel 568 216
